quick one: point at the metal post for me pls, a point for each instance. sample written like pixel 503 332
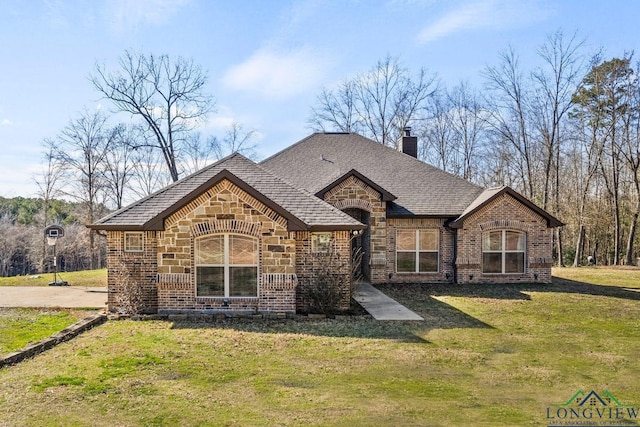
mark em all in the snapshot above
pixel 55 265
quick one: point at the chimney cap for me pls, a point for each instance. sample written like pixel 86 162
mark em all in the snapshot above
pixel 407 131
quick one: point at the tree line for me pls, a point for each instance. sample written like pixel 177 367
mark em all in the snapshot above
pixel 23 248
pixel 565 133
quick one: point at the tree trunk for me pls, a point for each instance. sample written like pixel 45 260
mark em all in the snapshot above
pixel 632 234
pixel 579 247
pixel 559 246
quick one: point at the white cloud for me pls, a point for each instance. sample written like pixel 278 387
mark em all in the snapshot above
pixel 6 122
pixel 126 15
pixel 278 74
pixel 486 14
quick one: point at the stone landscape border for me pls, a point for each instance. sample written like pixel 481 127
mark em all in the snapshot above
pixel 47 343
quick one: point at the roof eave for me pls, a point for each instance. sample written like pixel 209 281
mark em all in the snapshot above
pixel 552 222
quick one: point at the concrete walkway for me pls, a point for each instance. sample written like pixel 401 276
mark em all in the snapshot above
pixel 380 306
pixel 53 296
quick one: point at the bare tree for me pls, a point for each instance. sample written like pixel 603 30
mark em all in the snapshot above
pixel 168 95
pixel 379 104
pixel 631 154
pixel 555 82
pixel 118 168
pixel 510 118
pixel 150 175
pixel 602 97
pixel 337 110
pixel 82 147
pixel 436 134
pixel 468 121
pixel 237 139
pixel 48 182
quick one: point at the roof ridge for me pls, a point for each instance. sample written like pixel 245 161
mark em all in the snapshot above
pixel 299 189
pixel 290 146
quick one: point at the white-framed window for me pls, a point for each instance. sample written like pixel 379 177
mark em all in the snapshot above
pixel 133 241
pixel 226 265
pixel 503 251
pixel 417 251
pixel 321 242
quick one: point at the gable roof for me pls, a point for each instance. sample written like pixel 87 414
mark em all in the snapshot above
pixel 302 210
pixel 490 194
pixel 321 159
pixel 384 194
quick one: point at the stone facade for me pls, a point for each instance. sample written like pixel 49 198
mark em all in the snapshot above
pixel 353 193
pixel 504 213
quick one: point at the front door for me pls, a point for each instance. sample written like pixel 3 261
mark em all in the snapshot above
pixel 360 246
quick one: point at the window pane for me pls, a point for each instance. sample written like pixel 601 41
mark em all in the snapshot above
pixel 492 241
pixel 243 281
pixel 321 242
pixel 514 262
pixel 428 261
pixel 514 241
pixel 406 240
pixel 243 250
pixel 133 242
pixel 210 250
pixel 428 240
pixel 406 261
pixel 492 263
pixel 210 281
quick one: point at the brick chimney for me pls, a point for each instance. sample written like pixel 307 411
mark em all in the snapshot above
pixel 408 143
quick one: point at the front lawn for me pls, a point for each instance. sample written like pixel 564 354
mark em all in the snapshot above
pixel 75 278
pixel 22 326
pixel 486 355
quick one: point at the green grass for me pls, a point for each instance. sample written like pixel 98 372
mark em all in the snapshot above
pixel 22 326
pixel 628 277
pixel 485 356
pixel 75 278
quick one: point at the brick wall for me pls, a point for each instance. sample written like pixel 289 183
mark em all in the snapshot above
pixel 165 269
pixel 504 213
pixel 446 241
pixel 308 265
pixel 132 275
pixel 353 193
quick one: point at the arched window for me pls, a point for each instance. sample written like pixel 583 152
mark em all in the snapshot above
pixel 226 265
pixel 503 251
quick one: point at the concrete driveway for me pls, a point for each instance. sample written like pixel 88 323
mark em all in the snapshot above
pixel 53 296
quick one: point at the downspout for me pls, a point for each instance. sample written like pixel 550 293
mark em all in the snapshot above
pixel 455 255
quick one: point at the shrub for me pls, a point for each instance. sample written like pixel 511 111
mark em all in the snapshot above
pixel 325 290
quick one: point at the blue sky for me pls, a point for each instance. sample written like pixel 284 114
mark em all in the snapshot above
pixel 266 60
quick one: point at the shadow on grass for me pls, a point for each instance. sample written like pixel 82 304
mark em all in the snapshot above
pixel 421 298
pixel 437 315
pixel 513 291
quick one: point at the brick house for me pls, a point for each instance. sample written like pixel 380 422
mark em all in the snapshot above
pixel 242 236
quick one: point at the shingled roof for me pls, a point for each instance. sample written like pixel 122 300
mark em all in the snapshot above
pixel 491 194
pixel 321 159
pixel 302 210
